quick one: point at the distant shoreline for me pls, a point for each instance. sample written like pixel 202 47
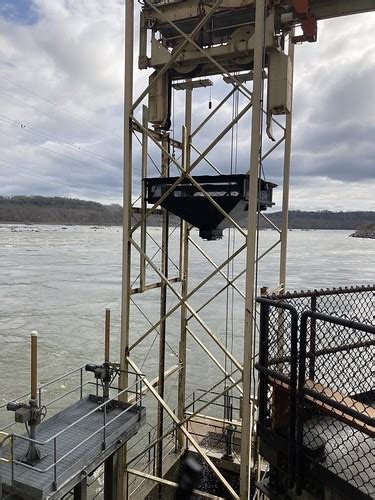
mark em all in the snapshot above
pixel 95 226
pixel 31 210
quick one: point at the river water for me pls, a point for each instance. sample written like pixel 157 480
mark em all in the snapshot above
pixel 59 280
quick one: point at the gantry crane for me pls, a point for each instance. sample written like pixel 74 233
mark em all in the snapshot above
pixel 183 43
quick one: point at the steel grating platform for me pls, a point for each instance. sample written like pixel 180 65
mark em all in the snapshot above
pixel 84 450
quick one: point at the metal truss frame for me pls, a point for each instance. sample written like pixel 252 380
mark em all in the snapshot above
pixel 169 284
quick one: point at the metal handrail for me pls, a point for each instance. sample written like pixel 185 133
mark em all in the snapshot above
pixel 40 387
pixel 292 380
pixel 303 391
pixel 79 387
pixel 322 292
pixel 56 461
pixel 81 369
pixel 43 443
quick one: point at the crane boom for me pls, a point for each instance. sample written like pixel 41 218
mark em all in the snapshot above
pixel 328 9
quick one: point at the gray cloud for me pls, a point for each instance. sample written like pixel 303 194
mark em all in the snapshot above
pixel 61 75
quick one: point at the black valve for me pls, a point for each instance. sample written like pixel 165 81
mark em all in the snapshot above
pixel 14 406
pixel 91 367
pixel 102 372
pixel 25 413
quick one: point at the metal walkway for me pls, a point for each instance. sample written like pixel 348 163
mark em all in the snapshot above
pixel 77 440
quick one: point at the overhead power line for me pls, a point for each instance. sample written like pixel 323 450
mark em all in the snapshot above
pixel 48 101
pixel 27 128
pixel 46 179
pixel 110 170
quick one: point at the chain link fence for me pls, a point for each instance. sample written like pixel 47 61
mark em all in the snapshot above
pixel 316 391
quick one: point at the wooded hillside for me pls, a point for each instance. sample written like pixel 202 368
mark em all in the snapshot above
pixel 55 210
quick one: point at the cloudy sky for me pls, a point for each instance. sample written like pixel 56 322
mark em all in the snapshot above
pixel 61 80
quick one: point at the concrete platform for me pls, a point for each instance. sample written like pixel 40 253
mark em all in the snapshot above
pixel 82 457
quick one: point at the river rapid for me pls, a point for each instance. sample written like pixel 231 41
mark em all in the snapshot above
pixel 58 280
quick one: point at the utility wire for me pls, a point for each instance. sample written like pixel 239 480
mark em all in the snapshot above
pixel 148 154
pixel 36 175
pixel 110 170
pixel 27 128
pixel 57 106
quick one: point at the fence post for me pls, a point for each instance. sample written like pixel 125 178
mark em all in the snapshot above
pixel 55 464
pixel 104 444
pixel 301 398
pixel 263 360
pixel 312 340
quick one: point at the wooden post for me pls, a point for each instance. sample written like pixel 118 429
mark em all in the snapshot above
pixel 107 332
pixel 34 365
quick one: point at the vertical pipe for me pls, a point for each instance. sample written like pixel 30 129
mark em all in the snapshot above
pixel 142 276
pixel 121 492
pixel 184 268
pixel 287 155
pixel 108 478
pixel 247 423
pixel 163 312
pixel 107 332
pixel 34 365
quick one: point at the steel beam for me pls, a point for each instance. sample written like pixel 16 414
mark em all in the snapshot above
pixel 184 259
pixel 187 434
pixel 326 9
pixel 192 292
pixel 121 483
pixel 163 312
pixel 215 266
pixel 142 272
pixel 286 179
pixel 255 154
pixel 178 51
pixel 196 316
pixel 212 357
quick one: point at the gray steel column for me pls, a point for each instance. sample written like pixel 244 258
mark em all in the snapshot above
pixel 287 154
pixel 80 490
pixel 121 483
pixel 108 478
pixel 184 263
pixel 251 250
pixel 142 277
pixel 163 312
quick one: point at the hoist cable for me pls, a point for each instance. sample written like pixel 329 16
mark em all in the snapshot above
pixel 260 171
pixel 229 314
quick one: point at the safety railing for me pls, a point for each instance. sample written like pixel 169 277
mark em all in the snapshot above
pixel 316 394
pixel 335 407
pixel 43 387
pixel 10 439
